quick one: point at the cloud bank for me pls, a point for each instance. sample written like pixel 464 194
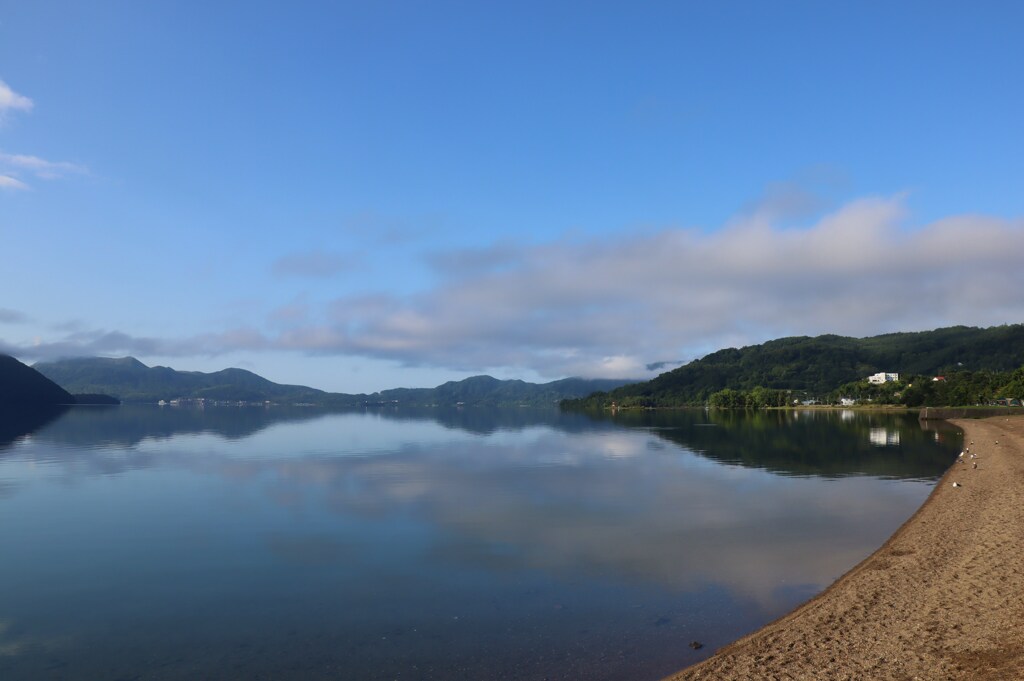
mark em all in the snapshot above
pixel 619 306
pixel 609 307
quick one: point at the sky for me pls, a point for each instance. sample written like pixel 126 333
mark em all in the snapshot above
pixel 366 195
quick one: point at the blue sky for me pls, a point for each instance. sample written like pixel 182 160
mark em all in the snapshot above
pixel 359 196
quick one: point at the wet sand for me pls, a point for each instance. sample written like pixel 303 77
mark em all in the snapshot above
pixel 942 599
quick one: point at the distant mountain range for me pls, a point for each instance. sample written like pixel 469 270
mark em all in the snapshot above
pixel 814 366
pixel 822 364
pixel 132 381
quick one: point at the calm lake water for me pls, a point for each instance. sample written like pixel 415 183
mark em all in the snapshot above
pixel 148 543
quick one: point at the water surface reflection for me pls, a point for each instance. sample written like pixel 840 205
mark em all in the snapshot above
pixel 457 544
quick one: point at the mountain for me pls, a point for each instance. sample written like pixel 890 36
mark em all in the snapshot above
pixel 24 387
pixel 132 381
pixel 488 391
pixel 820 364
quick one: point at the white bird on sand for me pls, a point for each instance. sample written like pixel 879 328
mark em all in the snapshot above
pixel 975 465
pixel 961 455
pixel 957 484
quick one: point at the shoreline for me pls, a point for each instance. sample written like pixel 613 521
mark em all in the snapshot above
pixel 942 598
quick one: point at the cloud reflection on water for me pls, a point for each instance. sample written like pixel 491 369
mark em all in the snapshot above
pixel 665 519
pixel 602 503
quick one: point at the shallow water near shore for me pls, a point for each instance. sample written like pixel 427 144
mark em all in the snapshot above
pixel 148 543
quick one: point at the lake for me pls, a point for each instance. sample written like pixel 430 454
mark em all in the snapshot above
pixel 271 543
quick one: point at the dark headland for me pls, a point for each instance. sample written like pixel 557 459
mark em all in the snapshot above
pixel 23 387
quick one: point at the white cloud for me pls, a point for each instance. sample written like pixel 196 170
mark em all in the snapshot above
pixel 12 101
pixel 104 343
pixel 8 182
pixel 609 306
pixel 12 166
pixel 41 168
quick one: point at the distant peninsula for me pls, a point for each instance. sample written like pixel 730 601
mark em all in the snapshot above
pixel 130 380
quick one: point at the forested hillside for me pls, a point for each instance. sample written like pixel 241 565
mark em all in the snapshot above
pixel 818 366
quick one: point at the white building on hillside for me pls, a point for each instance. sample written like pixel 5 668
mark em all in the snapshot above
pixel 883 377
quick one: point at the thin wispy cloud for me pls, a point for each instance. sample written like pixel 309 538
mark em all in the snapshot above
pixel 313 264
pixel 14 167
pixel 12 183
pixel 12 101
pixel 388 230
pixel 294 313
pixel 41 168
pixel 8 316
pixel 475 261
pixel 786 201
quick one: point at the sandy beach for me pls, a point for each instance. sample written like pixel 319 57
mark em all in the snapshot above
pixel 942 599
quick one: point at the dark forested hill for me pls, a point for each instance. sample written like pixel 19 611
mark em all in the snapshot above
pixel 821 364
pixel 132 381
pixel 23 386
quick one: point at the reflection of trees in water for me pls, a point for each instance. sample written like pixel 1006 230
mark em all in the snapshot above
pixel 823 443
pixel 562 518
pixel 127 425
pixel 16 423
